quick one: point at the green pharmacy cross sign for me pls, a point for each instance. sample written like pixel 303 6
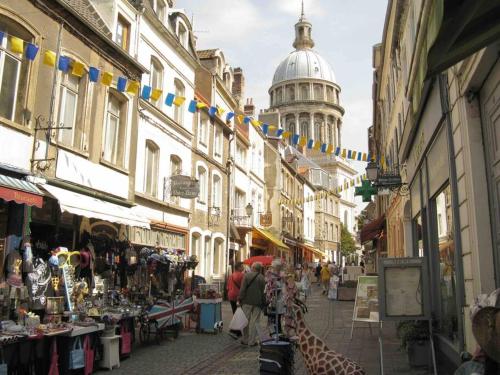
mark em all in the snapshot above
pixel 366 190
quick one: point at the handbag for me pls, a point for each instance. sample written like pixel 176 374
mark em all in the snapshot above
pixel 239 321
pixel 77 355
pixel 89 356
pixel 54 357
pixel 126 346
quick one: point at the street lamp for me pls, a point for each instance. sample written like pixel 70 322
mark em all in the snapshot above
pixel 372 171
pixel 249 209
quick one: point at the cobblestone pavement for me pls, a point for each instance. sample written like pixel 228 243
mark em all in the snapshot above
pixel 218 354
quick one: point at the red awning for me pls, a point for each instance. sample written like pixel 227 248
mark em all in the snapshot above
pixel 373 229
pixel 20 191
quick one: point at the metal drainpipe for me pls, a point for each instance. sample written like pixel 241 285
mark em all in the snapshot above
pixel 445 106
pixel 229 166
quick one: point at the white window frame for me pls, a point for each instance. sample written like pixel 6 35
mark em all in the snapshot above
pixel 218 141
pixel 4 51
pixel 155 153
pixel 216 193
pixel 180 90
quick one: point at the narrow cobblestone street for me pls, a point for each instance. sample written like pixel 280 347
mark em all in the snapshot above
pixel 195 353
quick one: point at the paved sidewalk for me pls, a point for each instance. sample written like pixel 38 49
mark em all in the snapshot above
pixel 219 354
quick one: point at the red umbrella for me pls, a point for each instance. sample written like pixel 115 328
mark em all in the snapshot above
pixel 266 260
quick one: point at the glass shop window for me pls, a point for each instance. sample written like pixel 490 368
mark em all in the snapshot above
pixel 443 237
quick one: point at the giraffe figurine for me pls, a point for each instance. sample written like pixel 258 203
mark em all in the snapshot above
pixel 319 359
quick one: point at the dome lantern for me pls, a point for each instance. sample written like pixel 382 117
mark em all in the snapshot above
pixel 303 30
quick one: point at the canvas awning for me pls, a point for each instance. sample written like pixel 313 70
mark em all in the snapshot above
pixel 20 191
pixel 373 229
pixel 84 205
pixel 270 237
pixel 317 252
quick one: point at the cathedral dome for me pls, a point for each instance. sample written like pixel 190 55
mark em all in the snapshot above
pixel 303 64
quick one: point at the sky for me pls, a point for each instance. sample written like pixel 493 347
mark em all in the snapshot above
pixel 257 35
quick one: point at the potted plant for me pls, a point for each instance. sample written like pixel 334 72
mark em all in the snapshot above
pixel 347 291
pixel 415 340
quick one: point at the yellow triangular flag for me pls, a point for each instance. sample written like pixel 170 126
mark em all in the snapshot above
pixel 16 45
pixel 49 58
pixel 201 105
pixel 352 183
pixel 240 118
pixel 286 134
pixel 353 155
pixel 156 94
pixel 302 141
pixel 329 149
pixel 220 110
pixel 107 78
pixel 78 69
pixel 255 122
pixel 272 127
pixel 364 156
pixel 133 87
pixel 317 145
pixel 343 153
pixel 179 100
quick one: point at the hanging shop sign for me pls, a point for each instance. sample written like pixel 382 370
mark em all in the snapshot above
pixel 184 187
pixel 150 237
pixel 266 220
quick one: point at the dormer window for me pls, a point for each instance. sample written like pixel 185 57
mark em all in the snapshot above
pixel 159 8
pixel 182 34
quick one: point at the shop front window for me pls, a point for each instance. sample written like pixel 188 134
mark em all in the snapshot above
pixel 443 236
pixel 419 239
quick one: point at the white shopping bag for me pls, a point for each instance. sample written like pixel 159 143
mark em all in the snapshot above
pixel 239 321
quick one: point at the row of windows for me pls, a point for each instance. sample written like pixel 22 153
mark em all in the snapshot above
pixel 204 125
pixel 324 132
pixel 216 198
pixel 210 260
pixel 151 171
pixel 304 91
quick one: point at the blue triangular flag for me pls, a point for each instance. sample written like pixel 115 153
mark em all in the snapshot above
pixel 146 92
pixel 1 36
pixel 295 139
pixel 122 84
pixel 192 106
pixel 337 151
pixel 169 100
pixel 229 116
pixel 246 120
pixel 359 155
pixel 279 132
pixel 31 50
pixel 323 147
pixel 94 74
pixel 212 111
pixel 310 144
pixel 63 64
pixel 265 128
pixel 348 154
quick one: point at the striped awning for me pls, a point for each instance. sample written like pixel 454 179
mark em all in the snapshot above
pixel 20 191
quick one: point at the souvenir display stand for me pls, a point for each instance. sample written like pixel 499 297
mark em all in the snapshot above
pixel 77 310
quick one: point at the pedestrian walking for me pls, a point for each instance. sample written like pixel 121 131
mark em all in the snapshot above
pixel 275 282
pixel 233 291
pixel 252 299
pixel 318 273
pixel 325 278
pixel 305 281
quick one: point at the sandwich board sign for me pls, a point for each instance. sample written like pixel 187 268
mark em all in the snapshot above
pixel 366 307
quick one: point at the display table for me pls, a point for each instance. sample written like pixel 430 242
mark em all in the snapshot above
pixel 210 315
pixel 111 352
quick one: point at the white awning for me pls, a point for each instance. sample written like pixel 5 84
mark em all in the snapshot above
pixel 84 205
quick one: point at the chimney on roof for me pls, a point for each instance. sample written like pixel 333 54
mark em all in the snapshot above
pixel 238 88
pixel 249 108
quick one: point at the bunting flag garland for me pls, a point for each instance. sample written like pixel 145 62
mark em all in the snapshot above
pixel 31 51
pixel 65 63
pixel 169 100
pixel 78 69
pixel 16 45
pixel 156 94
pixel 192 106
pixel 49 58
pixel 146 92
pixel 121 84
pixel 179 100
pixel 107 78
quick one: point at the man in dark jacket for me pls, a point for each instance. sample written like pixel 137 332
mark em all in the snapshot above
pixel 252 299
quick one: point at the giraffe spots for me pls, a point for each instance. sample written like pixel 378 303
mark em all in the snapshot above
pixel 311 341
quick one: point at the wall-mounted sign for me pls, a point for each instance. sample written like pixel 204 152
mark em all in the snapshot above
pixel 164 239
pixel 266 220
pixel 403 287
pixel 184 187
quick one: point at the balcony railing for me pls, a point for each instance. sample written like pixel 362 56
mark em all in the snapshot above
pixel 240 218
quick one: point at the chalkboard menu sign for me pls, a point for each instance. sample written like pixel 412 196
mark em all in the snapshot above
pixel 404 289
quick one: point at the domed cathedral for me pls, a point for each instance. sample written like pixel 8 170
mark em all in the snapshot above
pixel 305 92
pixel 305 100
